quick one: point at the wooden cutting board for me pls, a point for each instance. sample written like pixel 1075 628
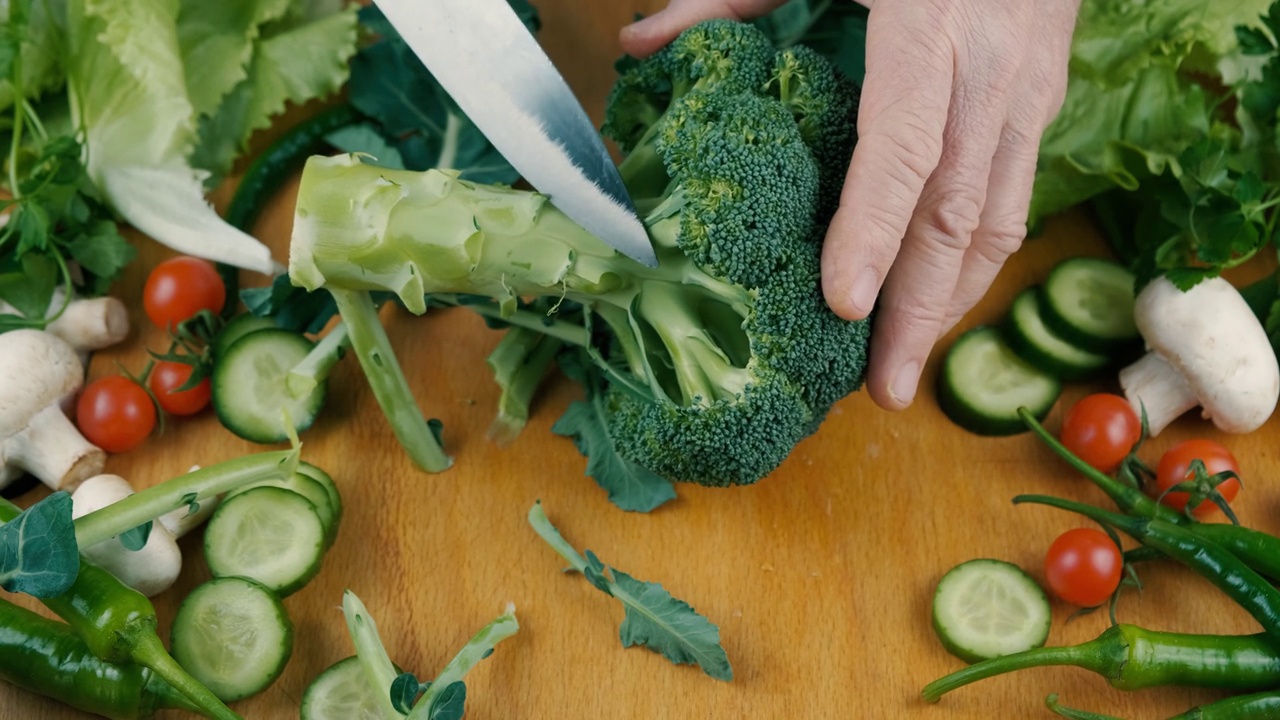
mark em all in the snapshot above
pixel 819 577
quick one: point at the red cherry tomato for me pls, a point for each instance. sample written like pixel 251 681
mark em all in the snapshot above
pixel 1083 567
pixel 115 413
pixel 179 288
pixel 167 377
pixel 1175 467
pixel 1101 429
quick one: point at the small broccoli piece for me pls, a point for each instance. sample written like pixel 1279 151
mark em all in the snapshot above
pixel 718 361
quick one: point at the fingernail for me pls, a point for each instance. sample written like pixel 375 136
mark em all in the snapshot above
pixel 903 387
pixel 864 290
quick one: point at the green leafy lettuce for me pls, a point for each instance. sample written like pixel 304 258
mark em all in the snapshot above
pixel 168 92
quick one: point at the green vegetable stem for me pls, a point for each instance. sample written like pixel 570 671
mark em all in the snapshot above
pixel 1132 658
pixel 48 658
pixel 1211 561
pixel 1259 550
pixel 118 625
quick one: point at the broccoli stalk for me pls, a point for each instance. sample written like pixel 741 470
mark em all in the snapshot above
pixel 717 361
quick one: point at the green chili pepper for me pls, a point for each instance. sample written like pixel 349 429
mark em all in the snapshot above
pixel 1231 575
pixel 118 625
pixel 280 160
pixel 1256 549
pixel 48 658
pixel 1258 706
pixel 1132 658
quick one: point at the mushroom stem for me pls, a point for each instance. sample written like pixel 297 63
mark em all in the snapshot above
pixel 53 450
pixel 1154 386
pixel 87 324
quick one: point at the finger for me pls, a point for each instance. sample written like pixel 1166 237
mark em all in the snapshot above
pixel 901 120
pixel 917 292
pixel 645 37
pixel 1003 224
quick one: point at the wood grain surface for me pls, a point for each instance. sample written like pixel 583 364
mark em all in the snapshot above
pixel 819 577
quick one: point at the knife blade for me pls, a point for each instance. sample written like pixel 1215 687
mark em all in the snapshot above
pixel 494 69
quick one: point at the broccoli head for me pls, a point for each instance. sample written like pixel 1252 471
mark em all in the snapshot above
pixel 711 366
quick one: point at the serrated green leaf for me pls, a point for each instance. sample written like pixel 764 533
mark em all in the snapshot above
pixel 102 251
pixel 1254 41
pixel 630 486
pixel 669 626
pixel 38 551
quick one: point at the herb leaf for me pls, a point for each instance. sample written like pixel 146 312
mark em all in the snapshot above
pixel 38 551
pixel 653 617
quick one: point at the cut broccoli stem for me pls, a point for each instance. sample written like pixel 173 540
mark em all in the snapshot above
pixel 519 362
pixel 390 388
pixel 378 669
pixel 316 366
pixel 545 324
pixel 360 227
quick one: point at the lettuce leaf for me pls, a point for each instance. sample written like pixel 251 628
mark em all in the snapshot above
pixel 168 92
pixel 42 45
pixel 1136 97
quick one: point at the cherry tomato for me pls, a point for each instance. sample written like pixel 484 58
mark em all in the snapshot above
pixel 115 413
pixel 1101 429
pixel 1175 467
pixel 167 377
pixel 1083 567
pixel 180 287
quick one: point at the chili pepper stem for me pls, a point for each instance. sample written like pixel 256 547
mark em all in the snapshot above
pixel 1129 499
pixel 1093 655
pixel 204 483
pixel 149 652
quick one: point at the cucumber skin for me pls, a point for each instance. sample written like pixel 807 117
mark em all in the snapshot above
pixel 1026 348
pixel 1055 321
pixel 959 412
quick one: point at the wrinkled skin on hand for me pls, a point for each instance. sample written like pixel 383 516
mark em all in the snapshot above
pixel 956 97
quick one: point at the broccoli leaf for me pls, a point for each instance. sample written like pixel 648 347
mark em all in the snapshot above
pixel 38 551
pixel 630 486
pixel 136 539
pixel 451 704
pixel 653 618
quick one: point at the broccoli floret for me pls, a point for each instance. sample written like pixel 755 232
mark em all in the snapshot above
pixel 718 361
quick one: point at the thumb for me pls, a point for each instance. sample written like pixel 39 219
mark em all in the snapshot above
pixel 645 37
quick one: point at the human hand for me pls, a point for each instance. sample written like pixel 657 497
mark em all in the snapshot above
pixel 956 97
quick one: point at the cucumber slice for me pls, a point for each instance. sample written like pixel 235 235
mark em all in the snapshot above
pixel 236 328
pixel 342 692
pixel 268 534
pixel 1089 303
pixel 233 635
pixel 310 488
pixel 989 608
pixel 1039 345
pixel 983 383
pixel 322 477
pixel 250 395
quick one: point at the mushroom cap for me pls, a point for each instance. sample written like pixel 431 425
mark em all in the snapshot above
pixel 37 369
pixel 1210 336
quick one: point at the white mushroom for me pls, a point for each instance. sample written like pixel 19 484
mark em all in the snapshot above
pixel 1206 348
pixel 37 372
pixel 155 567
pixel 86 324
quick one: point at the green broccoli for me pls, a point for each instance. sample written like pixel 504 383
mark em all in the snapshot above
pixel 718 361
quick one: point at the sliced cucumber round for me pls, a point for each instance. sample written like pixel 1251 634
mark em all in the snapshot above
pixel 310 488
pixel 989 608
pixel 233 635
pixel 236 328
pixel 983 383
pixel 342 692
pixel 1039 345
pixel 268 534
pixel 1089 303
pixel 322 477
pixel 250 391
